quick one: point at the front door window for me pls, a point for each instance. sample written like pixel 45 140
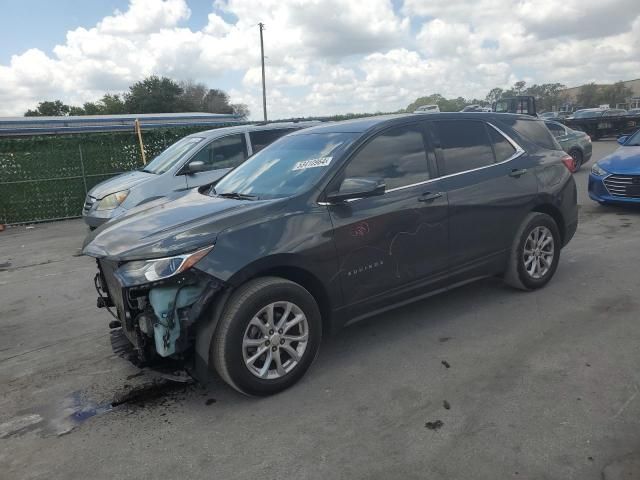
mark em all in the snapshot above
pixel 225 152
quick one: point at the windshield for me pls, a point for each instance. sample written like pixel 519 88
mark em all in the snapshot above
pixel 286 167
pixel 634 140
pixel 588 113
pixel 172 155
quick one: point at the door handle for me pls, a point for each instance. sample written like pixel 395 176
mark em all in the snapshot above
pixel 429 196
pixel 517 172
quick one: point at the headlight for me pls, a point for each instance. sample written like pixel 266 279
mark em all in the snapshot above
pixel 139 272
pixel 112 201
pixel 598 170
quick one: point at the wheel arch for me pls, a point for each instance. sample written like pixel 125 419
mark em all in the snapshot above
pixel 555 213
pixel 309 282
pixel 577 148
pixel 292 268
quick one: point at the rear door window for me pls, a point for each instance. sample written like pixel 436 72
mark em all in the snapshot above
pixel 397 155
pixel 262 138
pixel 464 144
pixel 536 132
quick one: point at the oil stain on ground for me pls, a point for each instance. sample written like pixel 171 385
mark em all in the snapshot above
pixel 61 418
pixel 435 425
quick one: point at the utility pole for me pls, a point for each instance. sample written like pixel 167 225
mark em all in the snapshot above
pixel 264 88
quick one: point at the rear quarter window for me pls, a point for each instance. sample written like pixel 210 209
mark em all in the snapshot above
pixel 535 131
pixel 501 146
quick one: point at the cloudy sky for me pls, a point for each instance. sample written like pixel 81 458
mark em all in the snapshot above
pixel 324 56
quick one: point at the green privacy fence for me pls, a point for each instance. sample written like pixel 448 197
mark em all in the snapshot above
pixel 47 177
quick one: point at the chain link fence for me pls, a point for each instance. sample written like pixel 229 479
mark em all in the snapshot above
pixel 47 177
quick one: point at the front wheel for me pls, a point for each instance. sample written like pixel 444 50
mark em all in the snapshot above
pixel 268 336
pixel 535 253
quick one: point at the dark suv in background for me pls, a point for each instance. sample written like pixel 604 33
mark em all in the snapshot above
pixel 329 225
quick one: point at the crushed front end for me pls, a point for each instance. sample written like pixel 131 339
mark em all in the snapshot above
pixel 157 305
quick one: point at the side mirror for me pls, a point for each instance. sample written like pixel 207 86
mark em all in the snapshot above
pixel 195 167
pixel 357 188
pixel 622 139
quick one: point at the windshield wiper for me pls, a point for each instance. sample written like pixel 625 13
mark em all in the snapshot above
pixel 237 196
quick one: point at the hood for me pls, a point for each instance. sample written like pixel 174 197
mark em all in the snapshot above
pixel 169 227
pixel 625 160
pixel 119 183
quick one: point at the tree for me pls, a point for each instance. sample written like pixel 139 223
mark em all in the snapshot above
pixel 614 94
pixel 91 108
pixel 112 104
pixel 76 111
pixel 153 95
pixel 49 109
pixel 241 110
pixel 494 95
pixel 478 101
pixel 217 101
pixel 547 95
pixel 193 94
pixel 434 99
pixel 588 95
pixel 518 87
pixel 453 104
pixel 445 104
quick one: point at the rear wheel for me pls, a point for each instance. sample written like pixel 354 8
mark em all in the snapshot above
pixel 535 253
pixel 268 336
pixel 577 159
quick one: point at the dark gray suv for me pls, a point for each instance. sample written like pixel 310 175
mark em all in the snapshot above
pixel 329 225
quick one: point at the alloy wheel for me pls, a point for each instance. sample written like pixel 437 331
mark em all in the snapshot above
pixel 538 252
pixel 275 340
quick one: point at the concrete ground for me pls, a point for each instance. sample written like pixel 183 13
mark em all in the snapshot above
pixel 540 385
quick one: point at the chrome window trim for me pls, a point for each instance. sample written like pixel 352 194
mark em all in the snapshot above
pixel 249 146
pixel 519 151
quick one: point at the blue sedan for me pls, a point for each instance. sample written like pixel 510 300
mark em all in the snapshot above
pixel 616 178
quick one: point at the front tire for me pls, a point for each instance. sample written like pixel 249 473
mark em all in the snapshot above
pixel 535 253
pixel 268 336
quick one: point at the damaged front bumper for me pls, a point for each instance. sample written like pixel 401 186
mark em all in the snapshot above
pixel 158 318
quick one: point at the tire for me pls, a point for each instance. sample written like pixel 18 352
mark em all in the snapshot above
pixel 518 274
pixel 244 319
pixel 578 159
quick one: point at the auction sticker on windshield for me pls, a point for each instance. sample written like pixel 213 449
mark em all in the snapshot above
pixel 312 163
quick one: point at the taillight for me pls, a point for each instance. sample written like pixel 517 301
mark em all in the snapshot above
pixel 569 162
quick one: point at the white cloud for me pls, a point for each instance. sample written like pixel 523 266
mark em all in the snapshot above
pixel 145 16
pixel 332 56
